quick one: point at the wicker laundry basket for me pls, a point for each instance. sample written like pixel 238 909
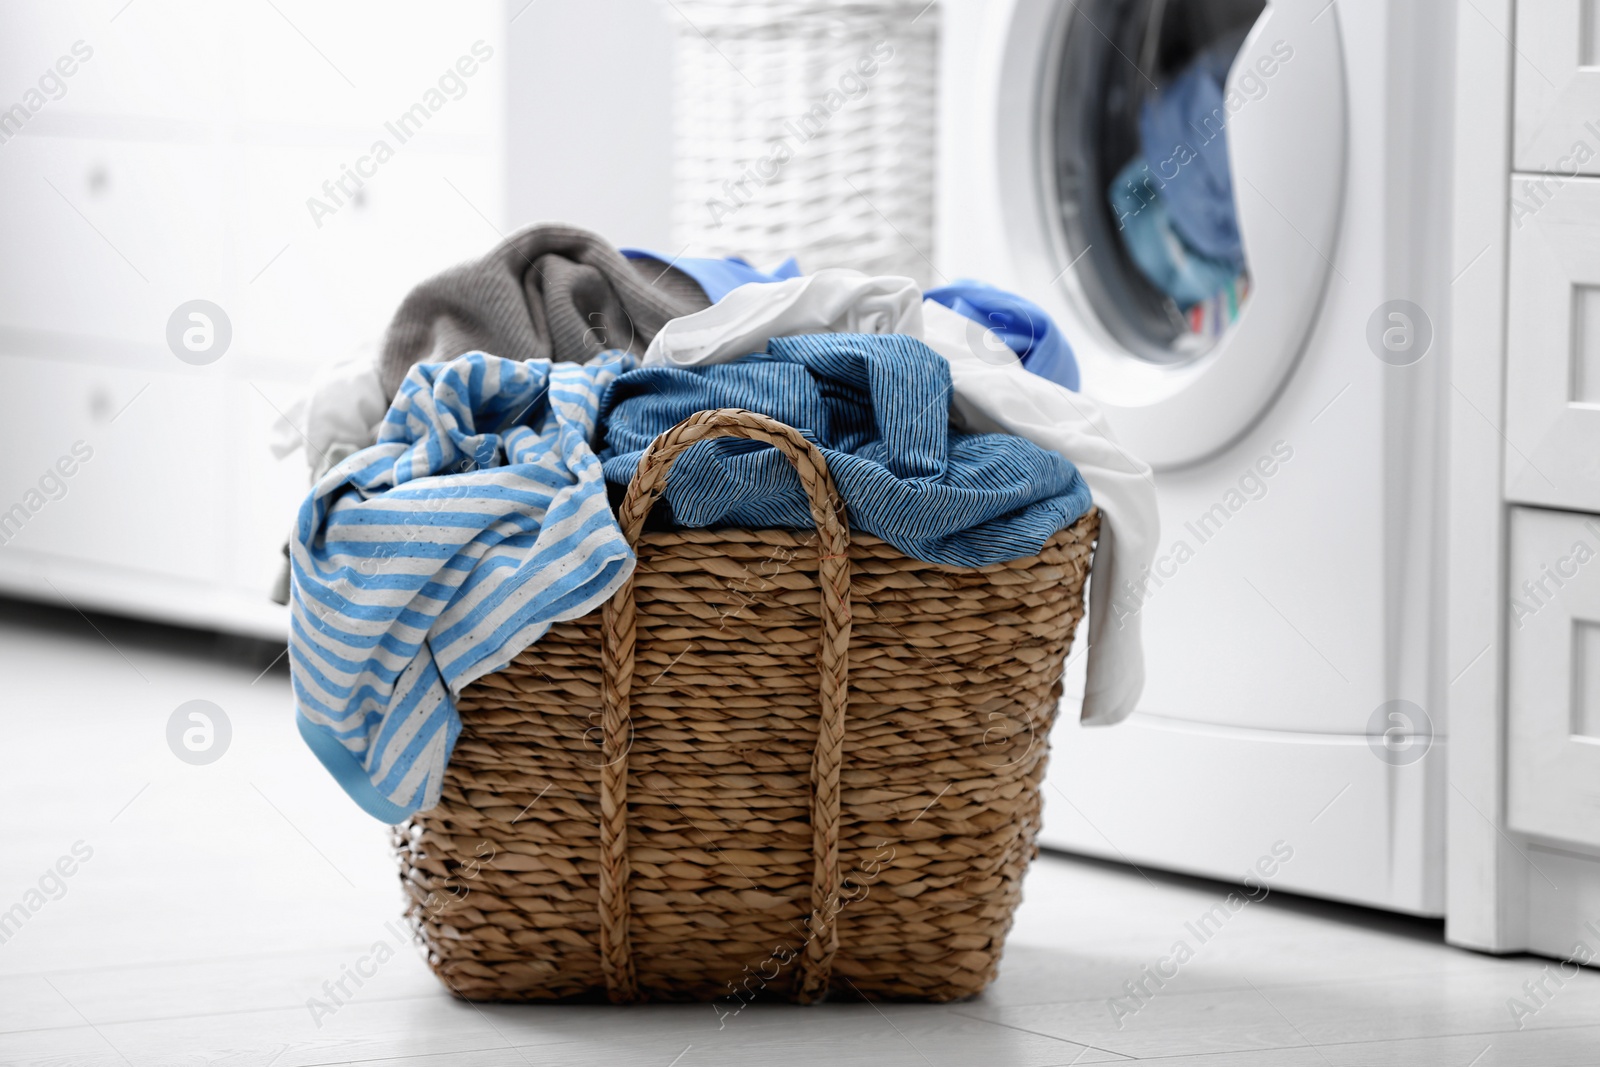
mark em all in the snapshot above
pixel 777 763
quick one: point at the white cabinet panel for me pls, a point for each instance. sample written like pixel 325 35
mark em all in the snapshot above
pixel 1553 703
pixel 1553 352
pixel 151 493
pixel 169 71
pixel 339 66
pixel 175 163
pixel 150 62
pixel 169 504
pixel 335 285
pixel 106 238
pixel 1557 121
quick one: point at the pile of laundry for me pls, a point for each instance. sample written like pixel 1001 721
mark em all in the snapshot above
pixel 463 478
pixel 1173 201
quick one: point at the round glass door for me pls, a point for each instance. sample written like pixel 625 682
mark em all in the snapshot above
pixel 1146 195
pixel 1191 156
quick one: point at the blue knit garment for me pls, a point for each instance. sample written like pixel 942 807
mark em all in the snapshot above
pixel 878 405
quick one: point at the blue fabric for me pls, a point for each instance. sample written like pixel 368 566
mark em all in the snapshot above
pixel 1154 244
pixel 878 405
pixel 1023 325
pixel 431 558
pixel 719 277
pixel 1182 136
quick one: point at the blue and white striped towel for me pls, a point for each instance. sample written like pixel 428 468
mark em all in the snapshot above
pixel 433 557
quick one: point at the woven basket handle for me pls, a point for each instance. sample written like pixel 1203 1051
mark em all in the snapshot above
pixel 617 648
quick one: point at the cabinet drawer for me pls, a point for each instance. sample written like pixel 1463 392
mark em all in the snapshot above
pixel 1553 705
pixel 1557 115
pixel 106 237
pixel 1552 453
pixel 149 494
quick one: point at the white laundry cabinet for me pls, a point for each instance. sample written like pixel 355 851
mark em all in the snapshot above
pixel 197 152
pixel 1524 849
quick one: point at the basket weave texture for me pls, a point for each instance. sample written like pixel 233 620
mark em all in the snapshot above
pixel 783 146
pixel 777 763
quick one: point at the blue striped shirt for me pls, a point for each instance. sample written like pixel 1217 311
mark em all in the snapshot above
pixel 433 557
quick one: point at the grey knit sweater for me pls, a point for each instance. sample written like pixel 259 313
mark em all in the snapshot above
pixel 549 292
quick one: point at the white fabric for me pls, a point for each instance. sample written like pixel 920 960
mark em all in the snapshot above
pixel 993 394
pixel 842 301
pixel 338 417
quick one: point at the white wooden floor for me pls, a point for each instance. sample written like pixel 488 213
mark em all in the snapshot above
pixel 218 899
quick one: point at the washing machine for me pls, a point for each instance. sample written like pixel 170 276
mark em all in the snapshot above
pixel 1296 685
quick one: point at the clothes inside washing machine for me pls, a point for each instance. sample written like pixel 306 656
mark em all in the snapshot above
pixel 1143 175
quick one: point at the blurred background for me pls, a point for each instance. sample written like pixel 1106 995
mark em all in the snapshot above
pixel 176 164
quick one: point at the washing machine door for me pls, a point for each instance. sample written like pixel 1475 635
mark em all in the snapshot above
pixel 1176 392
